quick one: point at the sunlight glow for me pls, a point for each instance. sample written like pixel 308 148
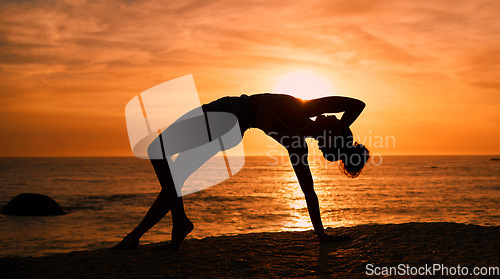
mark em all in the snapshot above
pixel 304 84
pixel 292 195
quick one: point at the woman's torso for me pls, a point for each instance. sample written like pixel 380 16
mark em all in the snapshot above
pixel 280 114
pixel 275 114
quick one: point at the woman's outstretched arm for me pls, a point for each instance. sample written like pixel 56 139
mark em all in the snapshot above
pixel 298 158
pixel 351 107
pixel 301 168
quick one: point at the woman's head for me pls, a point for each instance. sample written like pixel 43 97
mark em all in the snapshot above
pixel 351 155
pixel 354 160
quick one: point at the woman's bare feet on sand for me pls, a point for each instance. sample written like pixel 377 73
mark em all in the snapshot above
pixel 179 233
pixel 129 242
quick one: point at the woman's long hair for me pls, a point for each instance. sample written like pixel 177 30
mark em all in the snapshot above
pixel 352 156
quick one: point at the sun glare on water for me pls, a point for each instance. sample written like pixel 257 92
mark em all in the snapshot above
pixel 304 84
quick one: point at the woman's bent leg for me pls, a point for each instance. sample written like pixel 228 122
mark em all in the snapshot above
pixel 181 225
pixel 156 212
pixel 186 164
pixel 166 200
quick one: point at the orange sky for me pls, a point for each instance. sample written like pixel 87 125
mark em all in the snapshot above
pixel 428 70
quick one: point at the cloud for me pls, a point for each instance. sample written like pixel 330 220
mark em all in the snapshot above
pixel 89 57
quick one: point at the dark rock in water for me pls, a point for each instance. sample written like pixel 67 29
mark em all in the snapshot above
pixel 495 159
pixel 32 205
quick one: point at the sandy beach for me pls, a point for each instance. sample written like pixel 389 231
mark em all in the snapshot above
pixel 282 254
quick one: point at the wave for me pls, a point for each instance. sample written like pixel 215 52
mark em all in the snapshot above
pixel 78 179
pixel 99 202
pixel 113 197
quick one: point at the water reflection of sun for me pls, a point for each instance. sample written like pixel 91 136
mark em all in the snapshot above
pixel 294 198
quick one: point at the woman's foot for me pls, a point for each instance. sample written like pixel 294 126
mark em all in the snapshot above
pixel 129 242
pixel 179 233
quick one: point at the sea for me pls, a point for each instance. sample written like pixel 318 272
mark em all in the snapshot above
pixel 105 198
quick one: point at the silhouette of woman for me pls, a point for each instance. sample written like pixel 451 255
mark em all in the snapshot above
pixel 287 120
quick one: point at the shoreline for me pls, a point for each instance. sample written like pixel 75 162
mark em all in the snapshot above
pixel 281 254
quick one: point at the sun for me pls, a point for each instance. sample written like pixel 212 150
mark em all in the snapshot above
pixel 304 84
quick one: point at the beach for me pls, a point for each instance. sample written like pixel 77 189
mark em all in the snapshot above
pixel 280 254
